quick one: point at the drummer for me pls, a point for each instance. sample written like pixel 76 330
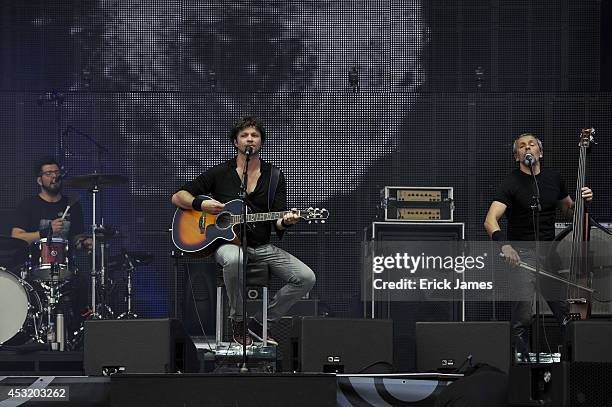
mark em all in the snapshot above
pixel 44 215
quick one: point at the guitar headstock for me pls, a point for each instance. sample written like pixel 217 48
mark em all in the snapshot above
pixel 314 215
pixel 587 137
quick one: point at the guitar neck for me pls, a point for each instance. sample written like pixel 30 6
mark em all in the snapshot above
pixel 261 217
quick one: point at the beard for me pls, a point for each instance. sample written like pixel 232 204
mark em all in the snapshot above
pixel 53 188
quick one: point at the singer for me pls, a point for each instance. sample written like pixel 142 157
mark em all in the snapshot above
pixel 266 192
pixel 514 198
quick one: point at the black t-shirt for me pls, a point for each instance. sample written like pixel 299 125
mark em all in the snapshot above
pixel 35 213
pixel 517 193
pixel 222 182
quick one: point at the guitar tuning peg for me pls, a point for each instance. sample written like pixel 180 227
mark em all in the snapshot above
pixel 309 222
pixel 322 221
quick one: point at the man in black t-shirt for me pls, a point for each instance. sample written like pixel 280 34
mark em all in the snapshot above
pixel 222 183
pixel 42 215
pixel 514 199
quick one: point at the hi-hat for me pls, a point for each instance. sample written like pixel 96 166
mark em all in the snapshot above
pixel 137 259
pixel 12 251
pixel 95 180
pixel 102 232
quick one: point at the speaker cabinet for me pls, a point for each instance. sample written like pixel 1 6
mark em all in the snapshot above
pixel 447 346
pixel 138 346
pixel 589 341
pixel 334 345
pixel 199 297
pixel 565 384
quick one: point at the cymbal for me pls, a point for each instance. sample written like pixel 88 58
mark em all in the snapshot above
pixel 92 180
pixel 12 251
pixel 137 258
pixel 99 236
pixel 102 232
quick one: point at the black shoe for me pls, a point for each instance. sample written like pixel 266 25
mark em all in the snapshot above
pixel 256 329
pixel 238 332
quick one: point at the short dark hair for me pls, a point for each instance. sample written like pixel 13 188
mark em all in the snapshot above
pixel 48 160
pixel 243 123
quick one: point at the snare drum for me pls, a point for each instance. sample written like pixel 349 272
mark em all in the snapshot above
pixel 20 309
pixel 49 260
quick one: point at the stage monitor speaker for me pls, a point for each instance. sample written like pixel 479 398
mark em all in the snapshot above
pixel 335 345
pixel 565 384
pixel 589 341
pixel 448 346
pixel 138 346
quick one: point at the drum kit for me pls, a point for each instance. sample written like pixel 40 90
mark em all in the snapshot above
pixel 34 278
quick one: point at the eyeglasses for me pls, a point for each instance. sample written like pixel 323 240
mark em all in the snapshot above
pixel 57 173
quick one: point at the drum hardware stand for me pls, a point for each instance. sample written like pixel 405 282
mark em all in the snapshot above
pixel 93 182
pixel 94 271
pixel 55 321
pixel 104 309
pixel 37 319
pixel 130 269
pixel 95 189
pixel 98 310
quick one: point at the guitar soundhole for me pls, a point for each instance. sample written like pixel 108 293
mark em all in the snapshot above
pixel 224 220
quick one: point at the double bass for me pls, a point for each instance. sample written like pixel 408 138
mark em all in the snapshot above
pixel 580 267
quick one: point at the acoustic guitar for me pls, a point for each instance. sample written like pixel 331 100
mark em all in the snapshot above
pixel 199 233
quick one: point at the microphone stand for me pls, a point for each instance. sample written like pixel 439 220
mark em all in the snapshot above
pixel 243 272
pixel 536 208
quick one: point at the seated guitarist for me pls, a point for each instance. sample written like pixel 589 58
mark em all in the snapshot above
pixel 222 183
pixel 514 199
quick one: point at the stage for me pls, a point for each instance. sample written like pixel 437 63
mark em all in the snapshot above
pixel 55 379
pixel 248 389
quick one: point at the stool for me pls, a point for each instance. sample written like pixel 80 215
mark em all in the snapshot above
pixel 257 276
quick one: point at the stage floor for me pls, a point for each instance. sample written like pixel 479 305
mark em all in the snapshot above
pixel 228 389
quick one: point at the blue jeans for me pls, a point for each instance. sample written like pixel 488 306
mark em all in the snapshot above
pixel 299 278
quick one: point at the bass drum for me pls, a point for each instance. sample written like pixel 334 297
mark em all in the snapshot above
pixel 600 249
pixel 20 310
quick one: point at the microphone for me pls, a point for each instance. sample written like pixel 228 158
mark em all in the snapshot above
pixel 249 151
pixel 529 159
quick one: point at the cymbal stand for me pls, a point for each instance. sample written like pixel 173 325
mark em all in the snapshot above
pixel 94 270
pixel 130 268
pixel 104 309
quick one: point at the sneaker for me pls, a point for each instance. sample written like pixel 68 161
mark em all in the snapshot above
pixel 256 330
pixel 238 331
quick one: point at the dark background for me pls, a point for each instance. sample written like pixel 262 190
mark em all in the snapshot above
pixel 159 84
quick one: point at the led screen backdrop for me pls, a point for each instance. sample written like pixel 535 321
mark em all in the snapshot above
pixel 355 94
